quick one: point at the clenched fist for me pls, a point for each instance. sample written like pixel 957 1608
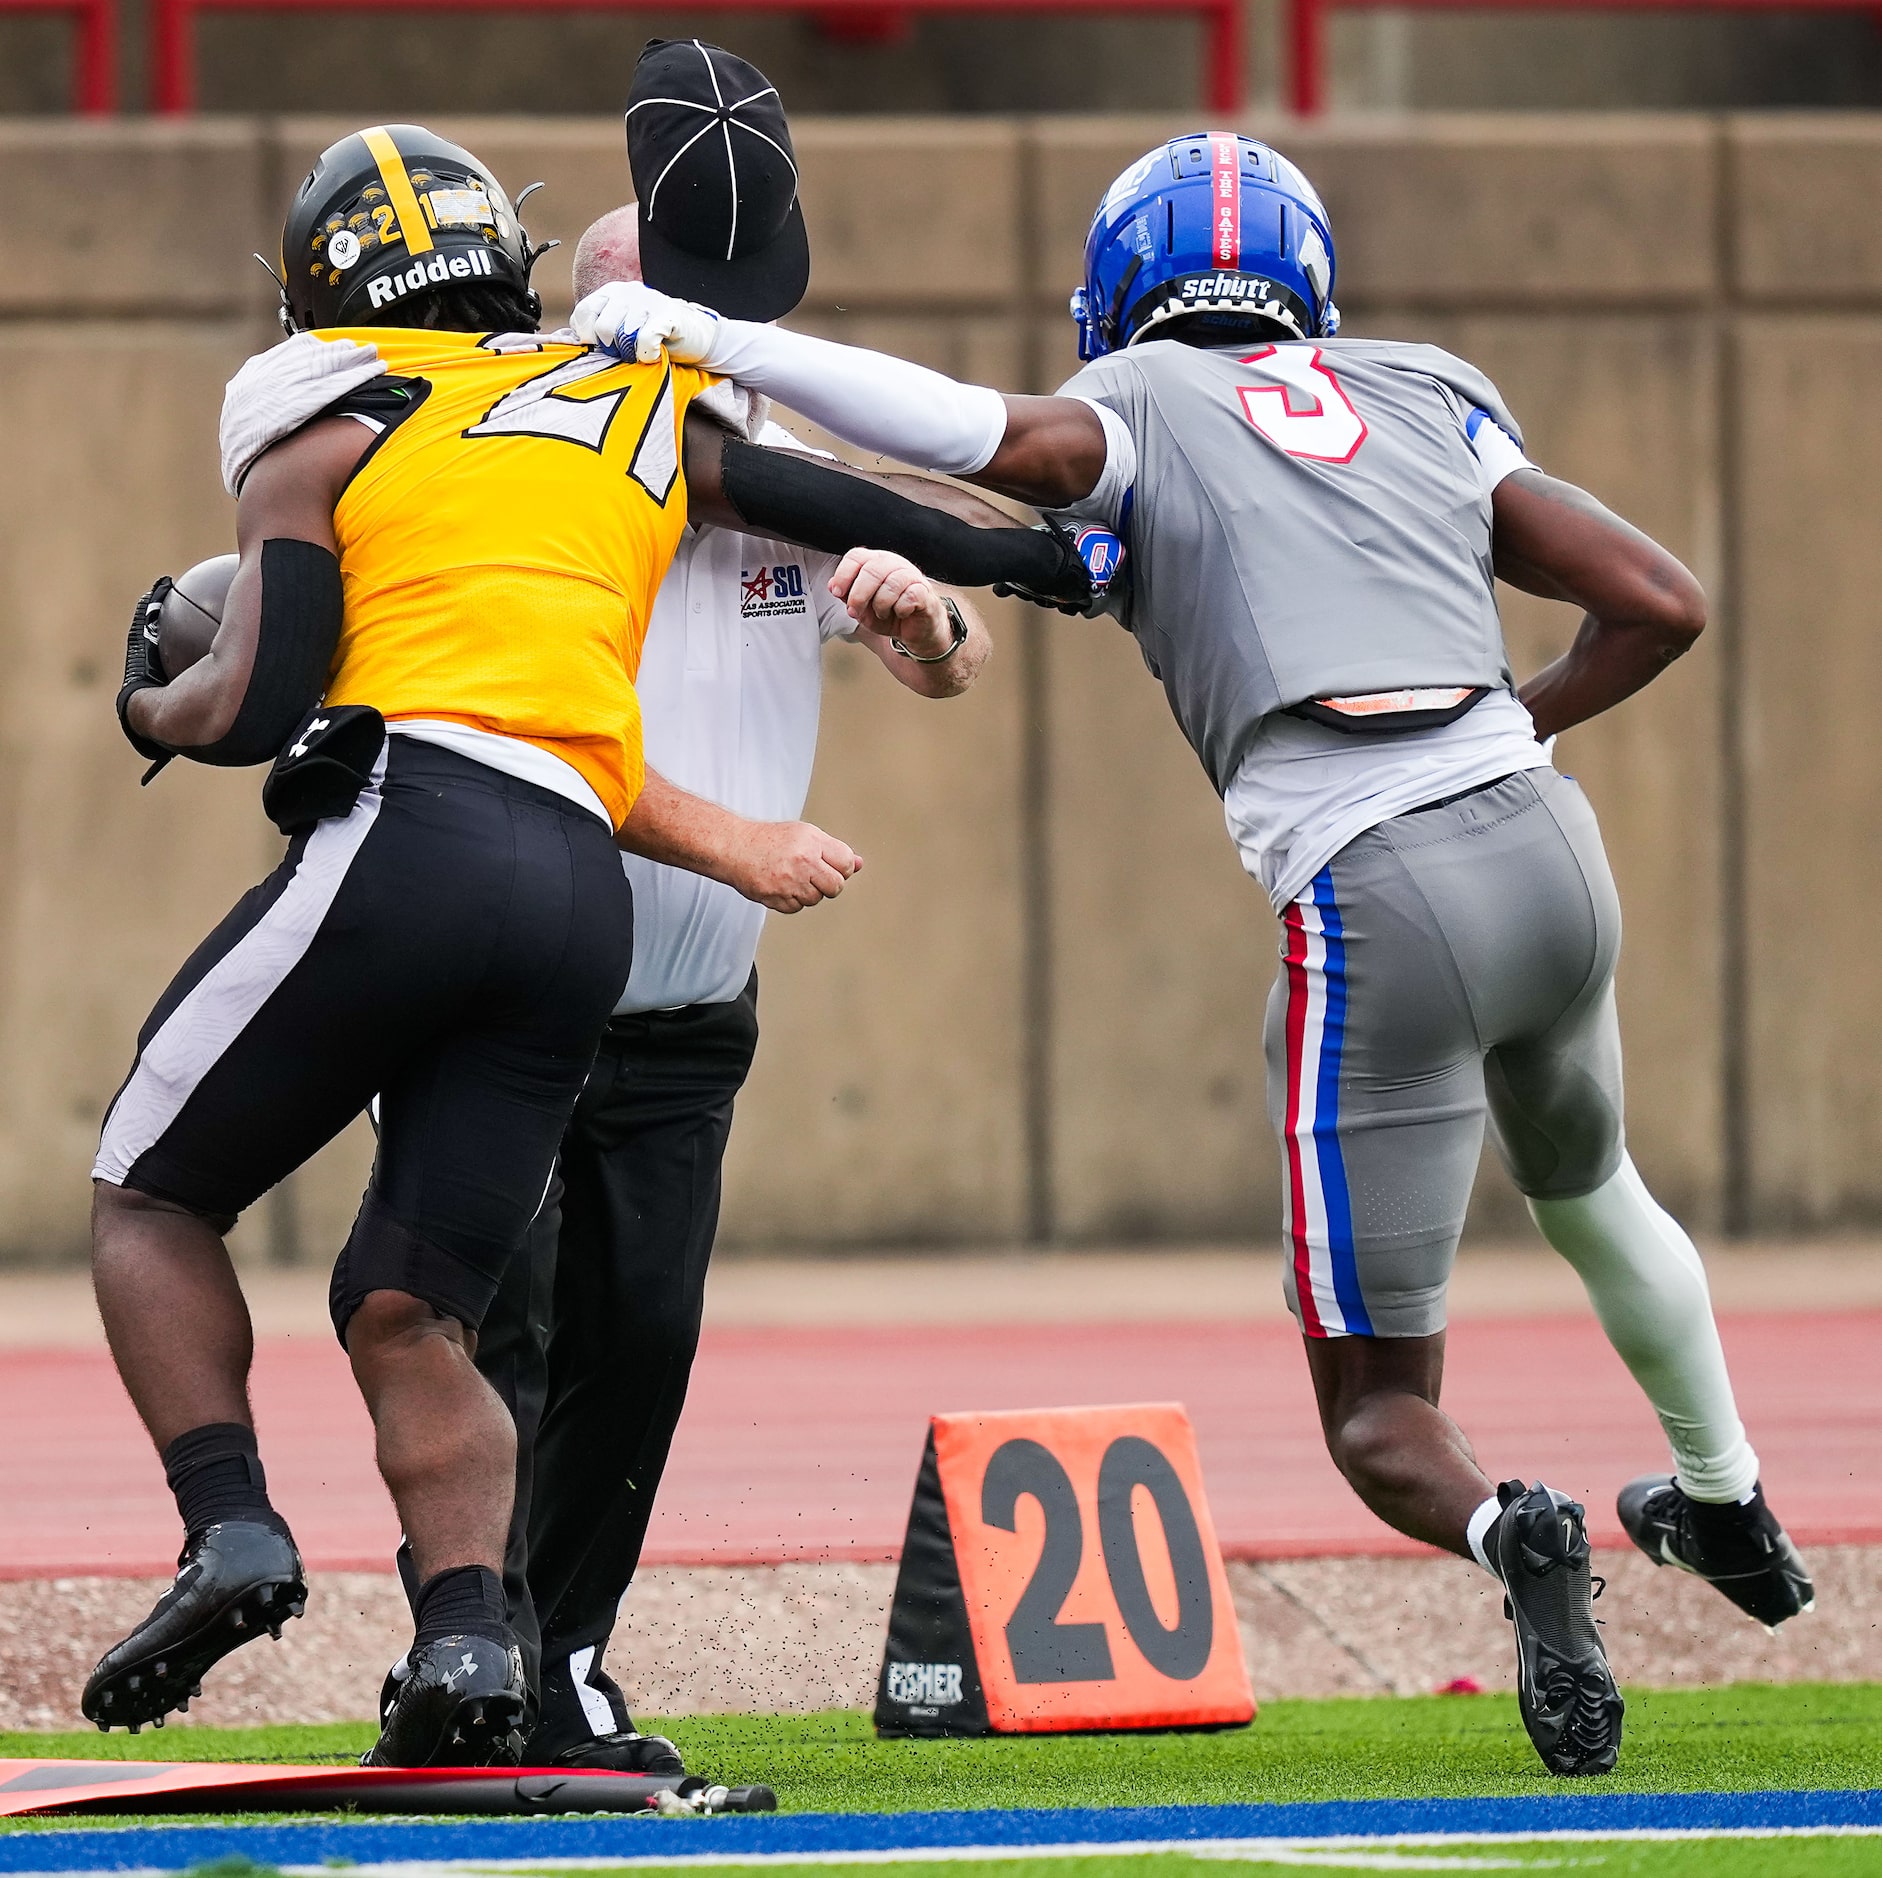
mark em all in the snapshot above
pixel 893 597
pixel 788 866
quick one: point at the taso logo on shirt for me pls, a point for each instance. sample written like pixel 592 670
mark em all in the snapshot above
pixel 766 592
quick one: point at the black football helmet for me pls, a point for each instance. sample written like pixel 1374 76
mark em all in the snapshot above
pixel 391 212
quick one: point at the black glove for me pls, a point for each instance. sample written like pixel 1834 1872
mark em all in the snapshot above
pixel 1088 560
pixel 143 670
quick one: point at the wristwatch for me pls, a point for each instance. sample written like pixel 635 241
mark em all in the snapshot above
pixel 959 624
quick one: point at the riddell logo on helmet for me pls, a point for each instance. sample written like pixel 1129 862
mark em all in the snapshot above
pixel 472 265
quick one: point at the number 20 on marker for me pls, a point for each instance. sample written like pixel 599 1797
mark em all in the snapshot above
pixel 1090 1571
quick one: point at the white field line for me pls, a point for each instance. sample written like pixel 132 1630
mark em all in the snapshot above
pixel 1220 1849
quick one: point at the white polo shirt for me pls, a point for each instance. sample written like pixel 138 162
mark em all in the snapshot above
pixel 731 683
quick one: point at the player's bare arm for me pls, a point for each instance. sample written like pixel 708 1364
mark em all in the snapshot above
pixel 952 498
pixel 288 497
pixel 1051 455
pixel 785 866
pixel 1642 608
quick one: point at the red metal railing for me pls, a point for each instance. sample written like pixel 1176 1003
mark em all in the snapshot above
pixel 173 27
pixel 1307 25
pixel 95 55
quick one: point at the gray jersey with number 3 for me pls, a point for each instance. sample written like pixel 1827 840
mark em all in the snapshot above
pixel 1308 520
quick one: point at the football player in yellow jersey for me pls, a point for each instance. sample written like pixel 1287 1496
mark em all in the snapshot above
pixel 433 635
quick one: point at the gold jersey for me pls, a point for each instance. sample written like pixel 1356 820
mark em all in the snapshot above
pixel 502 543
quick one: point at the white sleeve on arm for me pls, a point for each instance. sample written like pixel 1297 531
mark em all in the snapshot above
pixel 879 403
pixel 277 391
pixel 1109 501
pixel 1498 453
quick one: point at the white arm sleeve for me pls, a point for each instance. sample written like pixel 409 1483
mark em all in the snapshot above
pixel 277 391
pixel 879 403
pixel 1498 453
pixel 1110 496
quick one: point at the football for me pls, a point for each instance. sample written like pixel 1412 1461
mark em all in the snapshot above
pixel 191 612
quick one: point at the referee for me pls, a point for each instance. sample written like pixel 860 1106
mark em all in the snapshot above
pixel 593 1337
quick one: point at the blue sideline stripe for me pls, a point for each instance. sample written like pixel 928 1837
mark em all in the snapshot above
pixel 175 1848
pixel 1326 1116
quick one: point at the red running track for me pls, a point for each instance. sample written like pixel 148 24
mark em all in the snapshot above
pixel 802 1444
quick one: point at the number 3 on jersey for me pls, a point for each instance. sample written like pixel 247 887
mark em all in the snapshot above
pixel 1303 409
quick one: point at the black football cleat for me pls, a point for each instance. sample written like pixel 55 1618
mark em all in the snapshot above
pixel 236 1580
pixel 1740 1550
pixel 1566 1692
pixel 389 1688
pixel 461 1703
pixel 625 1751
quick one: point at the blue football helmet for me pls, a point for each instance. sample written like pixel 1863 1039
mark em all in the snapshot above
pixel 1212 227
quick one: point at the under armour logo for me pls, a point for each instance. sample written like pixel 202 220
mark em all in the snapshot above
pixel 466 1665
pixel 312 731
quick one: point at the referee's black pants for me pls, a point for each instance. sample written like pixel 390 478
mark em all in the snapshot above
pixel 591 1338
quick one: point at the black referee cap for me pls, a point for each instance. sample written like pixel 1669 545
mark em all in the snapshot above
pixel 716 179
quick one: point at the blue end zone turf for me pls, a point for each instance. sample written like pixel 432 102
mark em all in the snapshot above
pixel 175 1848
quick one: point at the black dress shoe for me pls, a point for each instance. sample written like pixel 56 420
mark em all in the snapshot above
pixel 461 1703
pixel 237 1580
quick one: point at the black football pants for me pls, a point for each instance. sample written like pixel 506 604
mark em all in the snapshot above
pixel 591 1339
pixel 453 942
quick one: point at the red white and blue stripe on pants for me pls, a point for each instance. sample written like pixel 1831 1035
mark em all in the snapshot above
pixel 1319 1209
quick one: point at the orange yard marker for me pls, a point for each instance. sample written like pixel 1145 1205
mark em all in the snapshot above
pixel 1061 1572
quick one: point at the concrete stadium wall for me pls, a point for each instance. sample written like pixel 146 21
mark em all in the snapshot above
pixel 1036 1015
pixel 424 62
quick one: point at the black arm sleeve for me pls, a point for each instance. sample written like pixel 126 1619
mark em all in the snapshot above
pixel 301 607
pixel 779 492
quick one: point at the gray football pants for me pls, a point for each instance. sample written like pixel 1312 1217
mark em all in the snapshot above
pixel 1454 960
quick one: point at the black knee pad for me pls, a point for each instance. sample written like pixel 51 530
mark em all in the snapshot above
pixel 382 1253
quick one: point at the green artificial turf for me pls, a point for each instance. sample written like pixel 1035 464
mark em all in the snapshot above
pixel 1706 1858
pixel 1747 1735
